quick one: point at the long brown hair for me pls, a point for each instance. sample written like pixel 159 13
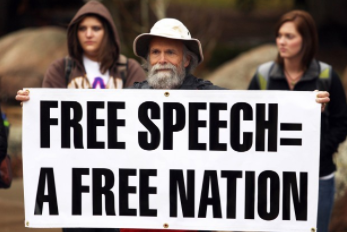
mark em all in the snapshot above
pixel 306 26
pixel 108 48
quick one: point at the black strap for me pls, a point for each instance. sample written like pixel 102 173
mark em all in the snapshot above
pixel 122 66
pixel 68 67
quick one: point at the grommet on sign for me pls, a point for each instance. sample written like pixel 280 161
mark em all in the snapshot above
pixel 166 94
pixel 166 225
pixel 27 223
pixel 313 229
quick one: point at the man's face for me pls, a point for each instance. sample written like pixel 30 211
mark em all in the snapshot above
pixel 166 63
pixel 163 51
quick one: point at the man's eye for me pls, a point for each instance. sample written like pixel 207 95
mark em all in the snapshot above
pixel 155 52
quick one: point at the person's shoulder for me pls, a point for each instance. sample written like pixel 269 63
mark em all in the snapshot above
pixel 202 84
pixel 54 76
pixel 140 85
pixel 208 85
pixel 58 63
pixel 132 63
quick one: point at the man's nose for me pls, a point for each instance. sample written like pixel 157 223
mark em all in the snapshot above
pixel 162 59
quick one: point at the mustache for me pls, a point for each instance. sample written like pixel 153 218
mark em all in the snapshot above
pixel 169 66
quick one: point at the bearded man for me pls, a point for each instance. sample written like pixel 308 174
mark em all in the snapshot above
pixel 171 56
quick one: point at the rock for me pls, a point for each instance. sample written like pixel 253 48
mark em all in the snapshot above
pixel 25 56
pixel 237 73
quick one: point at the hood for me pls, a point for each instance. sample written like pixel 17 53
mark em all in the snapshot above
pixel 94 7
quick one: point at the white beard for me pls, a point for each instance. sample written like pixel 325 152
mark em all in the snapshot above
pixel 171 79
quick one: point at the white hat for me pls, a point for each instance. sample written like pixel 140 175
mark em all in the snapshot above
pixel 171 29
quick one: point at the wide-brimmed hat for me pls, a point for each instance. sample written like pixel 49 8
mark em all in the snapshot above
pixel 171 29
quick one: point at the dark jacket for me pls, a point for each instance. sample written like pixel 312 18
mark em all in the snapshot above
pixel 334 119
pixel 3 139
pixel 55 75
pixel 190 83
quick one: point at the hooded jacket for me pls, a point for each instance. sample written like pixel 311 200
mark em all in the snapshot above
pixel 55 76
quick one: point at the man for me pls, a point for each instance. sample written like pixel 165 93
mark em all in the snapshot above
pixel 171 56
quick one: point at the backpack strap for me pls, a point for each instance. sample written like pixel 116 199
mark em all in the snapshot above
pixel 122 66
pixel 263 74
pixel 325 76
pixel 68 67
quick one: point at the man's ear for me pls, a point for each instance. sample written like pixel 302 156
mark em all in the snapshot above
pixel 187 61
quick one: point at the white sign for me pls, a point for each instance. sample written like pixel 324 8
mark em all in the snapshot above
pixel 199 160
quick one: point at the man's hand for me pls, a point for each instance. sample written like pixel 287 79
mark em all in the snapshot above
pixel 22 96
pixel 323 98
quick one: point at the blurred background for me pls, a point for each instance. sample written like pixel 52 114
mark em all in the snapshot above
pixel 236 35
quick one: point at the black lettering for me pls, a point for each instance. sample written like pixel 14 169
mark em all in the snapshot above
pixel 187 197
pixel 168 124
pixel 46 121
pixel 270 125
pixel 235 130
pixel 124 191
pixel 145 190
pixel 67 123
pixel 98 190
pixel 92 124
pixel 113 123
pixel 274 195
pixel 210 180
pixel 51 197
pixel 231 191
pixel 194 124
pixel 300 203
pixel 152 128
pixel 215 124
pixel 249 195
pixel 78 189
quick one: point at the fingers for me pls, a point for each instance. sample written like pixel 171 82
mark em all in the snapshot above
pixel 322 97
pixel 22 95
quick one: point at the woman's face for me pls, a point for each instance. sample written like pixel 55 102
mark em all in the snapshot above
pixel 289 41
pixel 90 35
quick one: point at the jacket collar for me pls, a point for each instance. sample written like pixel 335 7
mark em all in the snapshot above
pixel 311 73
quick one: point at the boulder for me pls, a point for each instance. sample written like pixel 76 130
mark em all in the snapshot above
pixel 237 73
pixel 26 54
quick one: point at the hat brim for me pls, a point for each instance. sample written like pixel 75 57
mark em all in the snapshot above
pixel 141 43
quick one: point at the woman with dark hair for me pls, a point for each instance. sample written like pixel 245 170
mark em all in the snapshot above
pixel 296 69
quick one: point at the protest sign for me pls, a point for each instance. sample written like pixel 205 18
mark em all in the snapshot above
pixel 200 160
